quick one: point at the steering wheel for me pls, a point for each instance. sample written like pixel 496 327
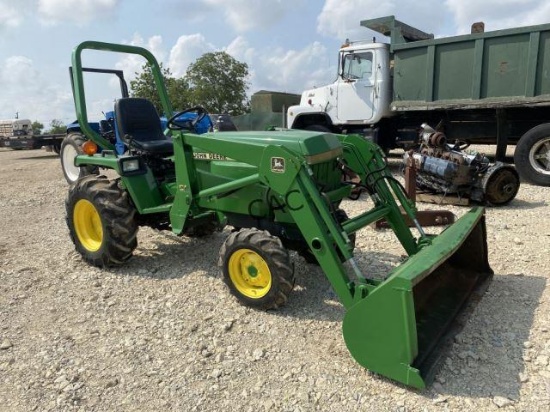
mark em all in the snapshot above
pixel 175 124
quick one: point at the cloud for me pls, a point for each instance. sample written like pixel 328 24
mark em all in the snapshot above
pixel 341 19
pixel 294 70
pixel 14 14
pixel 131 64
pixel 247 15
pixel 240 49
pixel 9 16
pixel 54 12
pixel 25 90
pixel 280 69
pixel 81 12
pixel 187 49
pixel 498 14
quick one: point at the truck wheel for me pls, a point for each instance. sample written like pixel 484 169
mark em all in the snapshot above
pixel 70 148
pixel 257 268
pixel 532 155
pixel 101 221
pixel 56 147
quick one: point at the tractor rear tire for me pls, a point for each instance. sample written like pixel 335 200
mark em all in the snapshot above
pixel 70 148
pixel 257 269
pixel 101 220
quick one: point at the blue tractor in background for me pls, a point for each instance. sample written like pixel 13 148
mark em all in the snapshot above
pixel 109 129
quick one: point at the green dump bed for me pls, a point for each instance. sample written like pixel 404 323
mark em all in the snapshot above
pixel 503 68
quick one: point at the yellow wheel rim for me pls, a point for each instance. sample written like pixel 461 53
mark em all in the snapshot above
pixel 249 273
pixel 87 224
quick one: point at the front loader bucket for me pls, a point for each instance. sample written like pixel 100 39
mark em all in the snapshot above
pixel 397 328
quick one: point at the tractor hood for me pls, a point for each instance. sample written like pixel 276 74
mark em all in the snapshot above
pixel 315 147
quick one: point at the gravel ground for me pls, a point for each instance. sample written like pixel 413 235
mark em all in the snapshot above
pixel 163 333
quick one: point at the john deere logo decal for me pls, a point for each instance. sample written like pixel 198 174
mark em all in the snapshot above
pixel 277 164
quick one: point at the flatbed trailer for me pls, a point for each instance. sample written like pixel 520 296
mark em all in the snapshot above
pixel 33 142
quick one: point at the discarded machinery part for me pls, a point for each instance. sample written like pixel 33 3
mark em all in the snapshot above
pixel 437 139
pixel 500 184
pixel 431 137
pixel 450 171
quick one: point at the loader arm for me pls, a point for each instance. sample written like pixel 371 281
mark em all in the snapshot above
pixel 366 159
pixel 328 239
pixel 294 184
pixel 392 326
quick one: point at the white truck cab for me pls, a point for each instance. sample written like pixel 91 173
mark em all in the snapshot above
pixel 359 98
pixel 15 128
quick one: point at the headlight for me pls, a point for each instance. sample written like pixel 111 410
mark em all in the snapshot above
pixel 130 166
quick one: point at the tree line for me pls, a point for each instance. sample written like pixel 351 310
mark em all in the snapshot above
pixel 56 127
pixel 215 81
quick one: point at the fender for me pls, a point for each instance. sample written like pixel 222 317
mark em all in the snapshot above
pixel 299 117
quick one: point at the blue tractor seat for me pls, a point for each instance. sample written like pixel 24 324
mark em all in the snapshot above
pixel 138 125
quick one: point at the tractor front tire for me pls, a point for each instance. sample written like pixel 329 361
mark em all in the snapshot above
pixel 257 269
pixel 101 221
pixel 70 148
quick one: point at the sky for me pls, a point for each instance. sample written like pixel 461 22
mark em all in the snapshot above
pixel 288 45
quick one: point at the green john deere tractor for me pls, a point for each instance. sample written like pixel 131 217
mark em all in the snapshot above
pixel 281 190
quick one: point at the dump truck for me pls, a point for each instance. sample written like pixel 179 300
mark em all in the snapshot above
pixel 18 134
pixel 482 88
pixel 279 190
